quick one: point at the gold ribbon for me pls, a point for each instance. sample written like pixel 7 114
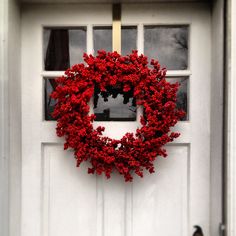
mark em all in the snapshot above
pixel 116 27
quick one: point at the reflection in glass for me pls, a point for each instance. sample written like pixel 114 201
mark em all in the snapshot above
pixel 182 95
pixel 102 38
pixel 114 105
pixel 128 39
pixel 167 44
pixel 63 47
pixel 49 103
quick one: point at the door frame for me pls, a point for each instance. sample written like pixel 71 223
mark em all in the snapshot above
pixel 230 118
pixel 12 188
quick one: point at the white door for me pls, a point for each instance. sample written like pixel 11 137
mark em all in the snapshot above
pixel 59 199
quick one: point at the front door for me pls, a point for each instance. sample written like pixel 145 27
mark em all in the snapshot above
pixel 59 199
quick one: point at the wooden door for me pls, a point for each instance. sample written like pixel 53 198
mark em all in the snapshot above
pixel 60 199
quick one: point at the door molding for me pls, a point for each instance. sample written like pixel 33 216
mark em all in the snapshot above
pixel 4 128
pixel 230 130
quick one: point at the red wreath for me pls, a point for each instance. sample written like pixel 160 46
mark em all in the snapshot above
pixel 131 74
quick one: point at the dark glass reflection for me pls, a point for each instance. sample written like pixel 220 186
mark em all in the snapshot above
pixel 63 47
pixel 128 39
pixel 167 44
pixel 182 95
pixel 114 104
pixel 49 103
pixel 102 38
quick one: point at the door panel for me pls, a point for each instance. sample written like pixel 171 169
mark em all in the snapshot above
pixel 79 202
pixel 164 196
pixel 60 199
pixel 69 202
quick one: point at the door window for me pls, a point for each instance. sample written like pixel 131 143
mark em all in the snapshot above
pixel 65 47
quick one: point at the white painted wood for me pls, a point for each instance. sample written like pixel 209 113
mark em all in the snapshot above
pixel 161 201
pixel 217 134
pixel 140 41
pixel 10 136
pixel 231 118
pixel 4 115
pixel 105 1
pixel 14 121
pixel 199 113
pixel 70 201
pixel 59 199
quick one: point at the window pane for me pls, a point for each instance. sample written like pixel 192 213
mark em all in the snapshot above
pixel 63 47
pixel 168 44
pixel 102 39
pixel 114 105
pixel 182 95
pixel 128 39
pixel 49 103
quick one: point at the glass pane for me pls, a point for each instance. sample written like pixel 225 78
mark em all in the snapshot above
pixel 182 95
pixel 63 47
pixel 114 105
pixel 128 39
pixel 102 39
pixel 168 44
pixel 49 103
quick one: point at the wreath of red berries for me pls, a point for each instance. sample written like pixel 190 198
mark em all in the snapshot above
pixel 133 153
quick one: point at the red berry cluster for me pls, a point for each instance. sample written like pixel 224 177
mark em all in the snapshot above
pixel 133 152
